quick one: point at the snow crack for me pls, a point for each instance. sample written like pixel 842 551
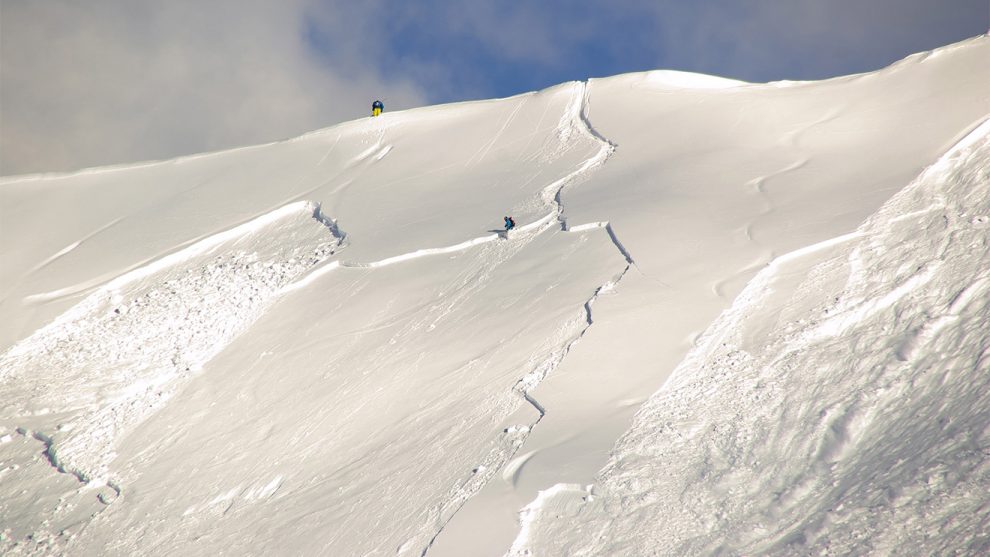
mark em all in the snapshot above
pixel 579 119
pixel 574 120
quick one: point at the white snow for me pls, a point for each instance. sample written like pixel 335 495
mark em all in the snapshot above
pixel 328 346
pixel 860 425
pixel 687 80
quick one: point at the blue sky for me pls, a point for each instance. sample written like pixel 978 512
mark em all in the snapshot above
pixel 491 49
pixel 110 81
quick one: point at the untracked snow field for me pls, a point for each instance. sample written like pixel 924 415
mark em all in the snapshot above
pixel 734 319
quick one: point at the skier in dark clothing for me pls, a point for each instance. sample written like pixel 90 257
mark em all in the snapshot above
pixel 376 108
pixel 509 224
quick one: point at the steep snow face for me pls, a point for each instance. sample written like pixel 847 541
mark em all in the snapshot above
pixel 777 168
pixel 81 383
pixel 395 184
pixel 387 385
pixel 704 189
pixel 849 416
pixel 400 396
pixel 118 356
pixel 196 360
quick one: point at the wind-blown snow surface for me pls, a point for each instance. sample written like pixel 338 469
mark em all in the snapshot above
pixel 850 416
pixel 325 346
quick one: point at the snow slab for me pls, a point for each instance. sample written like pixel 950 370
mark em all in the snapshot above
pixel 704 189
pixel 327 345
pixel 856 424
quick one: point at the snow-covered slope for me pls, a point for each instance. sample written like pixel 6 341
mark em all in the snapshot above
pixel 848 415
pixel 326 346
pixel 705 188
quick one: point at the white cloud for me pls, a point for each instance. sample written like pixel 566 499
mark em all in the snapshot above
pixel 92 83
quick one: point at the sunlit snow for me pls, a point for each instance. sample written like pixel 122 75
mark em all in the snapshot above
pixel 734 319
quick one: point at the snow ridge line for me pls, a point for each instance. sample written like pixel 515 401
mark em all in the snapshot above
pixel 111 168
pixel 515 436
pixel 201 247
